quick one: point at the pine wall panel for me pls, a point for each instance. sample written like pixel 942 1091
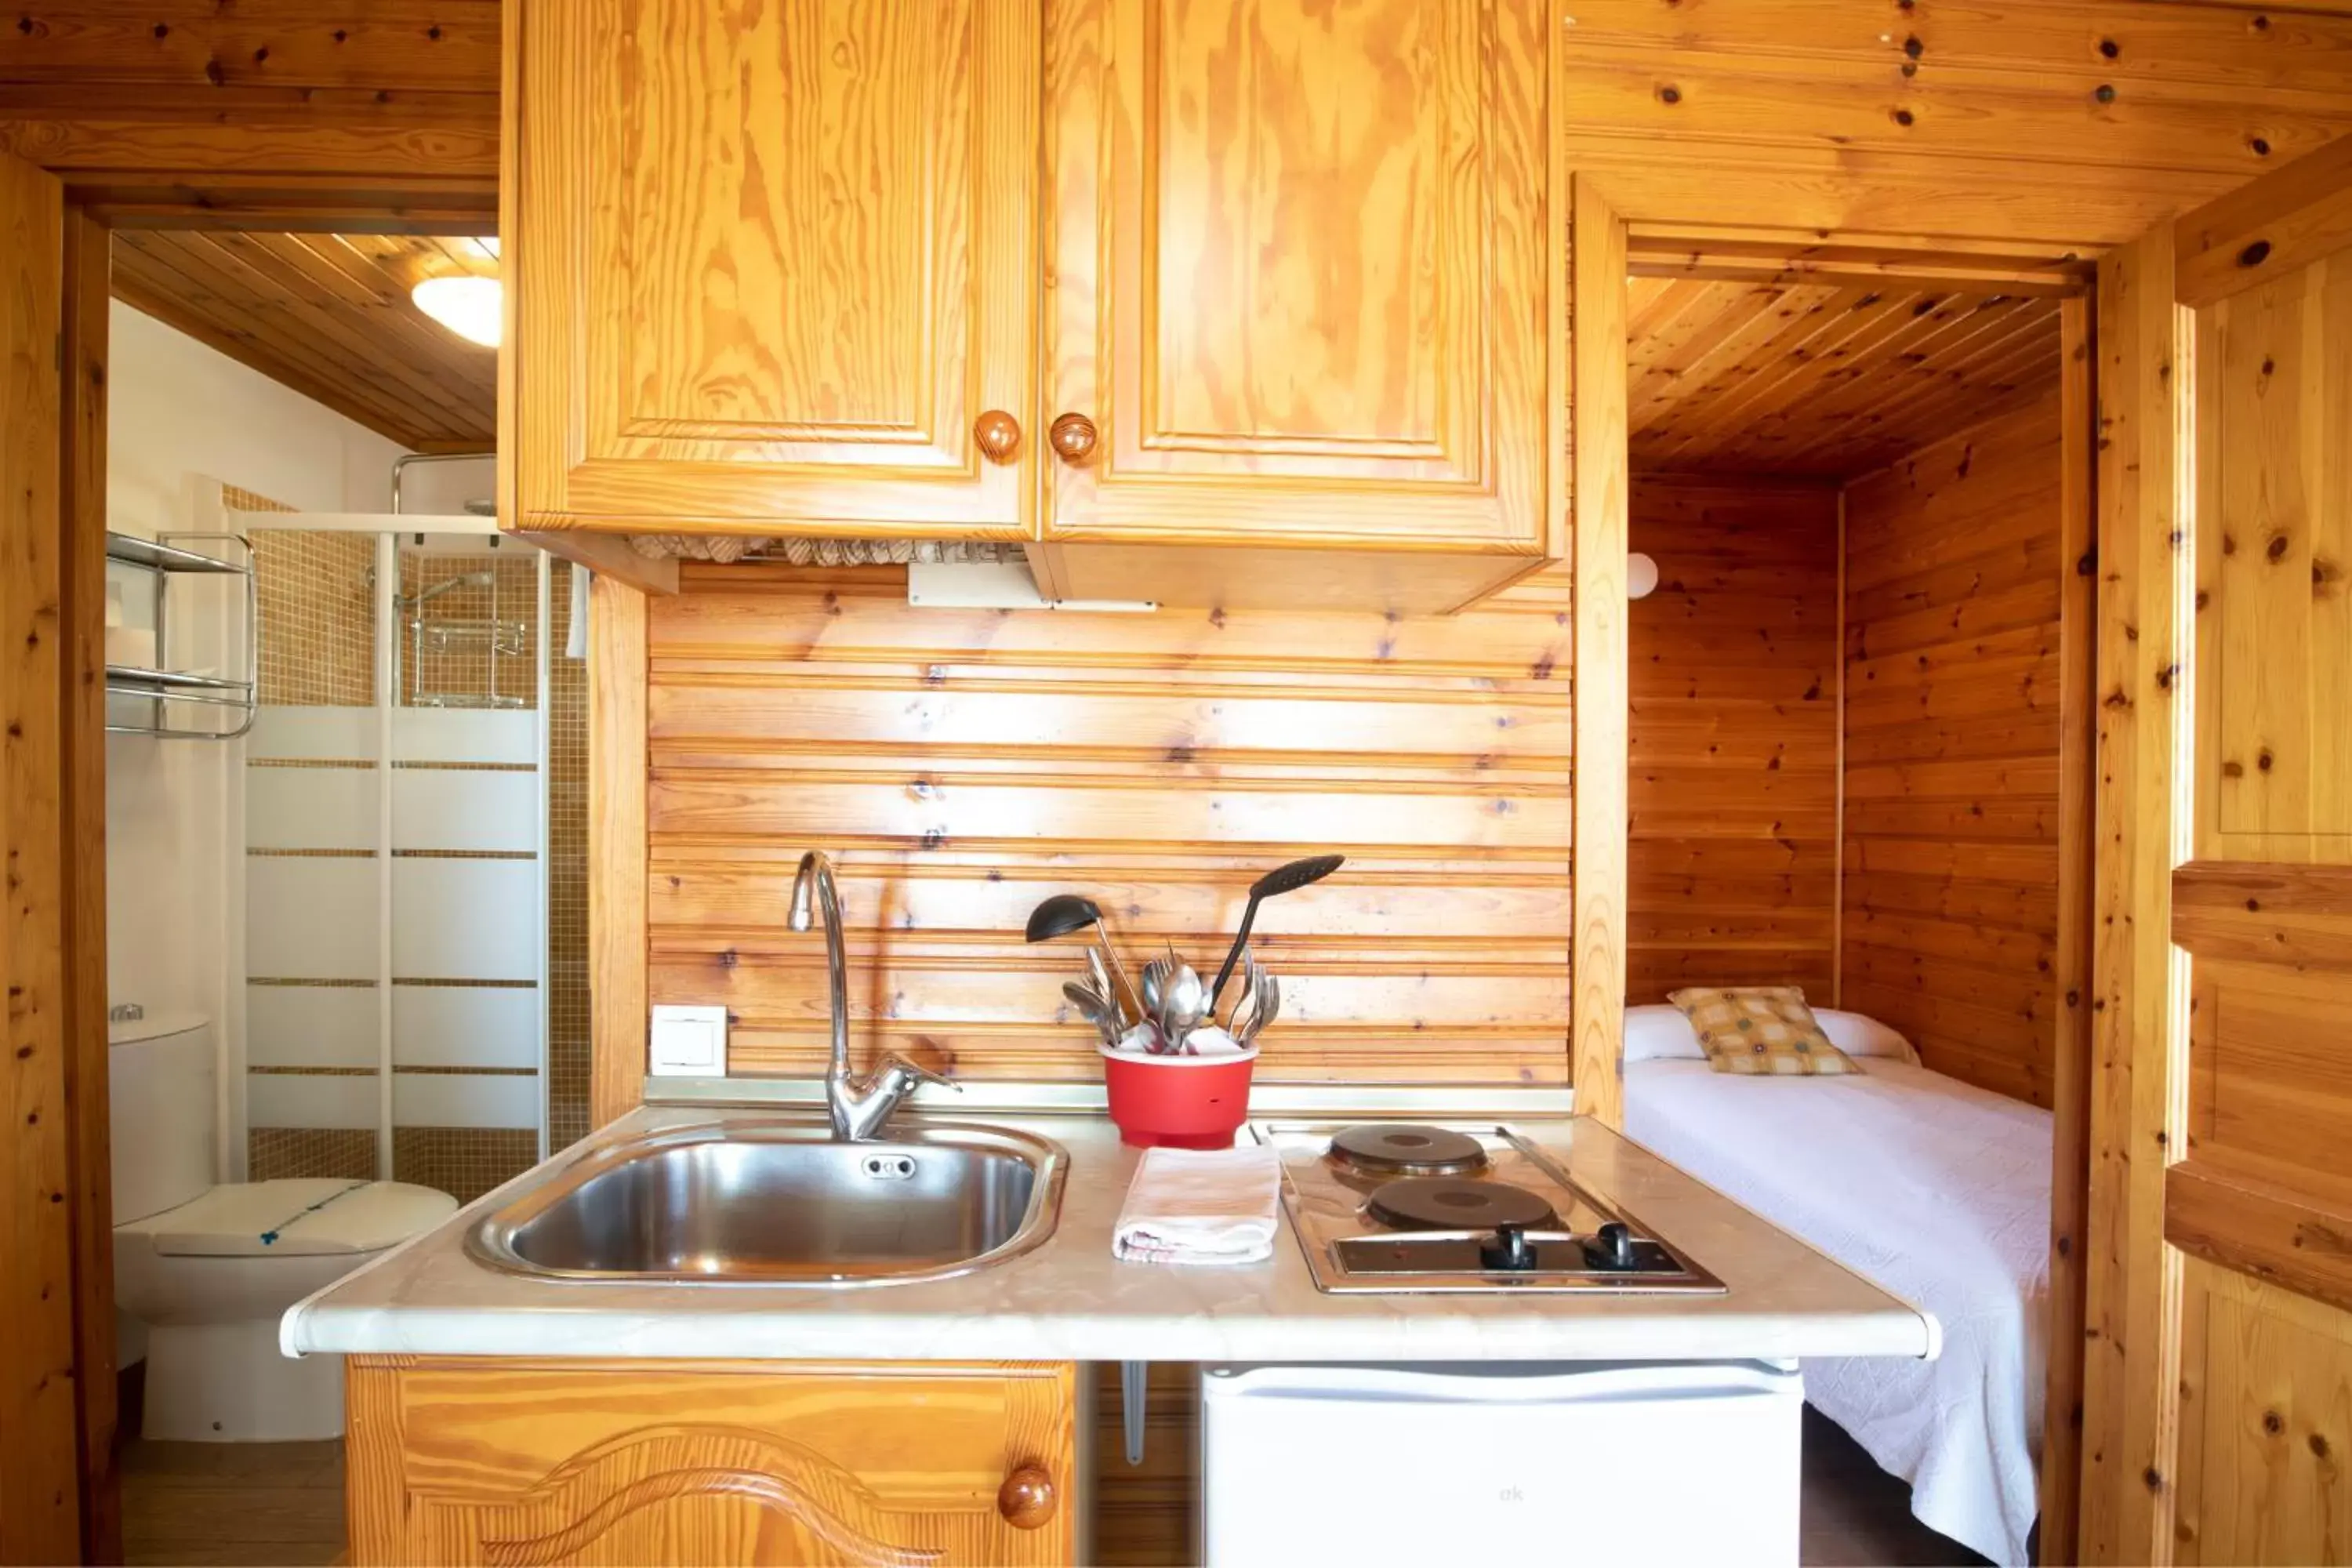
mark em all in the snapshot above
pixel 1733 853
pixel 960 766
pixel 1953 581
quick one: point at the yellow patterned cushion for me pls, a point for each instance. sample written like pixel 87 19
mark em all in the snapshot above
pixel 1766 1030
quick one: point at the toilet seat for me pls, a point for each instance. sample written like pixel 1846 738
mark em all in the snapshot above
pixel 211 1277
pixel 293 1217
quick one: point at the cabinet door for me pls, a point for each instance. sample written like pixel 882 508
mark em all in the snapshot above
pixel 773 264
pixel 519 1463
pixel 1307 273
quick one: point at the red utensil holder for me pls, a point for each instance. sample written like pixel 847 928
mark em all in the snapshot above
pixel 1177 1102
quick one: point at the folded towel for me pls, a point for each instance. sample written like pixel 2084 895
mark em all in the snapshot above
pixel 1201 1206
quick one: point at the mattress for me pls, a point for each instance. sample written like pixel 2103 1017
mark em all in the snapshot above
pixel 1938 1193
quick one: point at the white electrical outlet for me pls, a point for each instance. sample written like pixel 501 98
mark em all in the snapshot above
pixel 690 1042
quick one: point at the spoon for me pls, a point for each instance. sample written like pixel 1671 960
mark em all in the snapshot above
pixel 1185 1004
pixel 1245 996
pixel 1095 1009
pixel 1155 986
pixel 1269 1006
pixel 1100 975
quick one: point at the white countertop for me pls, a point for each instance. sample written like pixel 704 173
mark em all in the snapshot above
pixel 1070 1300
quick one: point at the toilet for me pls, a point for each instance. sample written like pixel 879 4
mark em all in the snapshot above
pixel 210 1267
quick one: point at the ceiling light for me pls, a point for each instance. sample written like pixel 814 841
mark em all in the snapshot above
pixel 1641 576
pixel 470 307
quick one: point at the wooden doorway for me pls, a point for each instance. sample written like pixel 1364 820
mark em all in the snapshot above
pixel 382 140
pixel 1904 431
pixel 57 1295
pixel 2221 1293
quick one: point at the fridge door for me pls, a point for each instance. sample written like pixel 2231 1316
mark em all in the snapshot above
pixel 1681 1462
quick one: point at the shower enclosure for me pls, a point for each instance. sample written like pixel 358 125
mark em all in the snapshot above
pixel 397 961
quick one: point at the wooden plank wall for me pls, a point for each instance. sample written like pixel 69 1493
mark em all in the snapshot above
pixel 961 765
pixel 1733 824
pixel 1953 584
pixel 234 114
pixel 2074 122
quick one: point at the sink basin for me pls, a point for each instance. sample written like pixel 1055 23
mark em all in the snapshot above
pixel 781 1203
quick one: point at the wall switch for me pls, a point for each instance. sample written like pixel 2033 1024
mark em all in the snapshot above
pixel 690 1042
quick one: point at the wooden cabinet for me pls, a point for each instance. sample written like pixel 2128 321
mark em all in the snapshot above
pixel 773 266
pixel 1309 266
pixel 1115 278
pixel 525 1462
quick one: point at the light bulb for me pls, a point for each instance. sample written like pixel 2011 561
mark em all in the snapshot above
pixel 472 308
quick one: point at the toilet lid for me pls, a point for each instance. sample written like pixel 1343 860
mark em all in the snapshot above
pixel 294 1218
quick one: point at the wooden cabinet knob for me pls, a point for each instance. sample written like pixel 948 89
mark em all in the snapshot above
pixel 998 433
pixel 1027 1497
pixel 1073 436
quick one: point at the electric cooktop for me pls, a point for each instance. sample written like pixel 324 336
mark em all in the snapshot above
pixel 1401 1207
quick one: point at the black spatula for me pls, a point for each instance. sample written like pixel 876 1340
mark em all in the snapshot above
pixel 1281 879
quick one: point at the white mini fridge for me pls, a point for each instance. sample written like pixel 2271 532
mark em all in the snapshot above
pixel 1617 1463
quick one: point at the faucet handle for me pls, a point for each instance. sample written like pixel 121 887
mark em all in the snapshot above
pixel 893 1063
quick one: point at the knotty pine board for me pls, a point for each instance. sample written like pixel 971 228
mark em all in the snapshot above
pixel 1732 860
pixel 961 765
pixel 2073 121
pixel 1953 580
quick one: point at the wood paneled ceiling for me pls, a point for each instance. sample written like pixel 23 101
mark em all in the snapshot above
pixel 1826 378
pixel 330 316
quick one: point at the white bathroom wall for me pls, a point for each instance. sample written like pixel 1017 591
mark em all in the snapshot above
pixel 180 411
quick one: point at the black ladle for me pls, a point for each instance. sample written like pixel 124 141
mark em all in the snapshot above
pixel 1066 913
pixel 1281 879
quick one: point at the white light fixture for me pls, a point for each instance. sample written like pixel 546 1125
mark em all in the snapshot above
pixel 1641 576
pixel 472 308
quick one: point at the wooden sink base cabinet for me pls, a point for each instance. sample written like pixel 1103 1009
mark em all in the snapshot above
pixel 514 1462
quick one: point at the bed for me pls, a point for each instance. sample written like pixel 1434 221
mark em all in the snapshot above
pixel 1936 1191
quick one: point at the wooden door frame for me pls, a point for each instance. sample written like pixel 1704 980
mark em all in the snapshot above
pixel 1601 510
pixel 2148 515
pixel 54 788
pixel 67 741
pixel 1704 250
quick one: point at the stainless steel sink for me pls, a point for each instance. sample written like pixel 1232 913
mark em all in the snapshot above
pixel 781 1203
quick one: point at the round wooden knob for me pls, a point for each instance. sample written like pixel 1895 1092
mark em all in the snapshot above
pixel 998 433
pixel 1027 1497
pixel 1073 436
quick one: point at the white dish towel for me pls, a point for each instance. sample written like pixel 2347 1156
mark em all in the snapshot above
pixel 1201 1206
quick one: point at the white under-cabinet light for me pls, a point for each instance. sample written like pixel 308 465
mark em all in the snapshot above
pixel 472 308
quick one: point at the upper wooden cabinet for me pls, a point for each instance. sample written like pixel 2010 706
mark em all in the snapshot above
pixel 1307 264
pixel 1123 279
pixel 773 264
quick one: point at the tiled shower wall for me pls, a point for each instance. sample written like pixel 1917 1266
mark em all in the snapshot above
pixel 567 880
pixel 317 637
pixel 318 650
pixel 468 1161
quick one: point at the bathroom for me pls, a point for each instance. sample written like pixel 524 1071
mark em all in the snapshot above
pixel 346 939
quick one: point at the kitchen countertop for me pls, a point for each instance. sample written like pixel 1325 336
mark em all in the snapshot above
pixel 1070 1300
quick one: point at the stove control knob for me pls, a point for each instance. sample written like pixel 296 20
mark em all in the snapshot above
pixel 1510 1252
pixel 1611 1246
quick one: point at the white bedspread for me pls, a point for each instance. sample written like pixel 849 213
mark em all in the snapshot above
pixel 1938 1193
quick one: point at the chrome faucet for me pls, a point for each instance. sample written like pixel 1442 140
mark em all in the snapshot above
pixel 859 1105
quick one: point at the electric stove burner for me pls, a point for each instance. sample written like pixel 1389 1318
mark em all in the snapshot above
pixel 1448 1203
pixel 1402 1149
